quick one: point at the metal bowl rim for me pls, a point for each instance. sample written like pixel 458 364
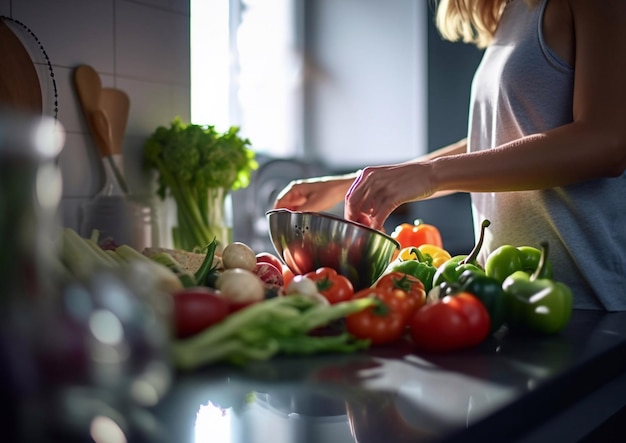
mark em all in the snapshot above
pixel 334 218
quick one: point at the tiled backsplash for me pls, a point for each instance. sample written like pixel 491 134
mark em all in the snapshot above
pixel 140 47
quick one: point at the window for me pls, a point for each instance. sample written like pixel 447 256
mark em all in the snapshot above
pixel 246 71
pixel 365 80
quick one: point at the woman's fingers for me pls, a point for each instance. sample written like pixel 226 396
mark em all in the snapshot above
pixel 366 201
pixel 290 200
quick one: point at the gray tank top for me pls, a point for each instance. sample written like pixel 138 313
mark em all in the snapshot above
pixel 520 88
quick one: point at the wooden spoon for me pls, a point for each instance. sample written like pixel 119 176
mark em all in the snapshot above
pixel 89 86
pixel 90 92
pixel 115 104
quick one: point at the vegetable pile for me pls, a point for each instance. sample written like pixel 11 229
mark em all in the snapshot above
pixel 192 162
pixel 466 301
pixel 232 307
pixel 238 305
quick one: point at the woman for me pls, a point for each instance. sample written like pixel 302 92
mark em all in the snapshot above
pixel 546 149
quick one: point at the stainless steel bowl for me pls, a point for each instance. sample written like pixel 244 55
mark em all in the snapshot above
pixel 307 241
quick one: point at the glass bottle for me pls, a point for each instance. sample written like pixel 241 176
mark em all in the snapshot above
pixel 30 192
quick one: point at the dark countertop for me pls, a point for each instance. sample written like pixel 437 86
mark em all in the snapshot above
pixel 510 387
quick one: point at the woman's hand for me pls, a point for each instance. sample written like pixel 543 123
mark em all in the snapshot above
pixel 314 194
pixel 379 190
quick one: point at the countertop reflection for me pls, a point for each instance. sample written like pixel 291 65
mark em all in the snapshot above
pixel 498 390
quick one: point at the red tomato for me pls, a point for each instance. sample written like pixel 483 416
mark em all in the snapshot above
pixel 417 234
pixel 413 286
pixel 455 322
pixel 335 287
pixel 269 274
pixel 384 323
pixel 476 315
pixel 266 257
pixel 196 309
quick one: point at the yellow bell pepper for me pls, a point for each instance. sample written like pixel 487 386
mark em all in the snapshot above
pixel 438 255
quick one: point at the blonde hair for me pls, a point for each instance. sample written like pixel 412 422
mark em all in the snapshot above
pixel 471 21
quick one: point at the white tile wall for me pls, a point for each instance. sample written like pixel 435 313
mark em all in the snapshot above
pixel 72 31
pixel 181 6
pixel 139 46
pixel 151 43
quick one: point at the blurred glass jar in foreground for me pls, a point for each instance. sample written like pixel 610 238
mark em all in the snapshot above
pixel 73 354
pixel 30 191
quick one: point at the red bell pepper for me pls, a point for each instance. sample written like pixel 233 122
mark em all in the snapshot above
pixel 417 234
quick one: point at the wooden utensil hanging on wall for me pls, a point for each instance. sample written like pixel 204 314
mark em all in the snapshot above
pixel 115 104
pixel 19 83
pixel 106 113
pixel 112 211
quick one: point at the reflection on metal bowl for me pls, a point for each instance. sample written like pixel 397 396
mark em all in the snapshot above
pixel 309 240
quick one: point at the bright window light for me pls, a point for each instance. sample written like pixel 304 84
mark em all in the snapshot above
pixel 246 70
pixel 210 63
pixel 213 424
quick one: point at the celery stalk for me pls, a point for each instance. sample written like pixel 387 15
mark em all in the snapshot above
pixel 80 258
pixel 101 252
pixel 113 256
pixel 267 328
pixel 306 344
pixel 165 259
pixel 166 280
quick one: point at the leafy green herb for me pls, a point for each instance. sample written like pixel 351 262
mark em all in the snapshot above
pixel 192 162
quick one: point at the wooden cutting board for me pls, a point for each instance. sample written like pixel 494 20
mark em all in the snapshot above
pixel 19 83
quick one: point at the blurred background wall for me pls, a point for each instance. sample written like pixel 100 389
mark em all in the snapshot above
pixel 359 82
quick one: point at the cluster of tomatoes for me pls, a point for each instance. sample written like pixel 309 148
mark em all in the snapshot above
pixel 398 296
pixel 454 322
pixel 449 323
pixel 445 324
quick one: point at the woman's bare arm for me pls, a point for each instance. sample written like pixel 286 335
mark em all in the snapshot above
pixel 592 146
pixel 322 193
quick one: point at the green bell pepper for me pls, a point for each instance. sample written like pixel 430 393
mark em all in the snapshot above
pixel 537 304
pixel 508 259
pixel 420 268
pixel 452 269
pixel 489 291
